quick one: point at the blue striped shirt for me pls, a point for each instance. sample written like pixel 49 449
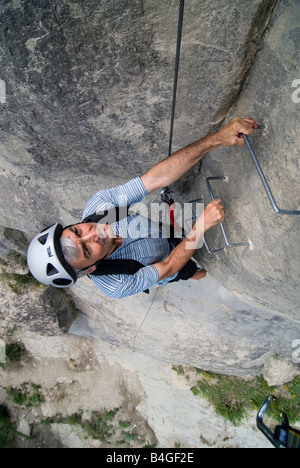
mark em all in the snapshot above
pixel 141 241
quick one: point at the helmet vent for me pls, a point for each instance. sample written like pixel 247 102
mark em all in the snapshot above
pixel 62 282
pixel 51 270
pixel 43 239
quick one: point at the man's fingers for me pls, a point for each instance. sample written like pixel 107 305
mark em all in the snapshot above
pixel 231 134
pixel 216 201
pixel 240 140
pixel 253 122
pixel 214 213
pixel 245 126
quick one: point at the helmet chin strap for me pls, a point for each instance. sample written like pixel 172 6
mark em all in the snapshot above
pixel 96 264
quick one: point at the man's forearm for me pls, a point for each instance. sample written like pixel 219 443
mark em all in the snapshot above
pixel 213 214
pixel 171 169
pixel 179 257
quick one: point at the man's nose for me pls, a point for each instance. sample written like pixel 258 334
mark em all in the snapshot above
pixel 90 236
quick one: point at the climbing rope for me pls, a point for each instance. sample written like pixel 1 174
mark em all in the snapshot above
pixel 166 194
pixel 177 61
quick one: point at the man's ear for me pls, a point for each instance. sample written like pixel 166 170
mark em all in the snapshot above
pixel 91 270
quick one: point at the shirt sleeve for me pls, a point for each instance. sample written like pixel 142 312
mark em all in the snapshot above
pixel 120 286
pixel 122 195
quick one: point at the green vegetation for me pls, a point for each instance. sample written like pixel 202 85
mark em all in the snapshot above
pixel 7 430
pixel 14 352
pixel 104 426
pixel 28 395
pixel 11 331
pixel 98 427
pixel 124 425
pixel 233 397
pixel 19 283
pixel 22 283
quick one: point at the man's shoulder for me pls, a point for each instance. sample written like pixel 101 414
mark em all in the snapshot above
pixel 123 195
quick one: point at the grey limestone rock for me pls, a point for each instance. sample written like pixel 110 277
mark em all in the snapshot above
pixel 88 101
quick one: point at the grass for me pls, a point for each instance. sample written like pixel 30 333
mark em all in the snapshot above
pixel 19 283
pixel 14 352
pixel 99 426
pixel 124 425
pixel 28 395
pixel 104 426
pixel 7 429
pixel 233 397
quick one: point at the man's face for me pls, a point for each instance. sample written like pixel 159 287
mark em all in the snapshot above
pixel 94 241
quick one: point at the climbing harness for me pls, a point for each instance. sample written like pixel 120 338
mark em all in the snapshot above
pixel 284 436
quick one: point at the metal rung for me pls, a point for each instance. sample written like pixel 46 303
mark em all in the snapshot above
pixel 228 243
pixel 265 184
pixel 212 196
pixel 211 252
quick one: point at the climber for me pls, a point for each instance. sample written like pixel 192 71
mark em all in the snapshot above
pixel 59 256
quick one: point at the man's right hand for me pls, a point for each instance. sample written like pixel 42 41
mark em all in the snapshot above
pixel 214 213
pixel 232 133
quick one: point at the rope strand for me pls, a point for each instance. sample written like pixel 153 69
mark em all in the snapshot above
pixel 179 36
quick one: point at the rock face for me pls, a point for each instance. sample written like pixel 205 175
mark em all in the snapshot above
pixel 88 95
pixel 206 327
pixel 268 273
pixel 89 89
pixel 25 304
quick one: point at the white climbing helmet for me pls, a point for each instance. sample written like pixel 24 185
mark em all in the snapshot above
pixel 46 261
